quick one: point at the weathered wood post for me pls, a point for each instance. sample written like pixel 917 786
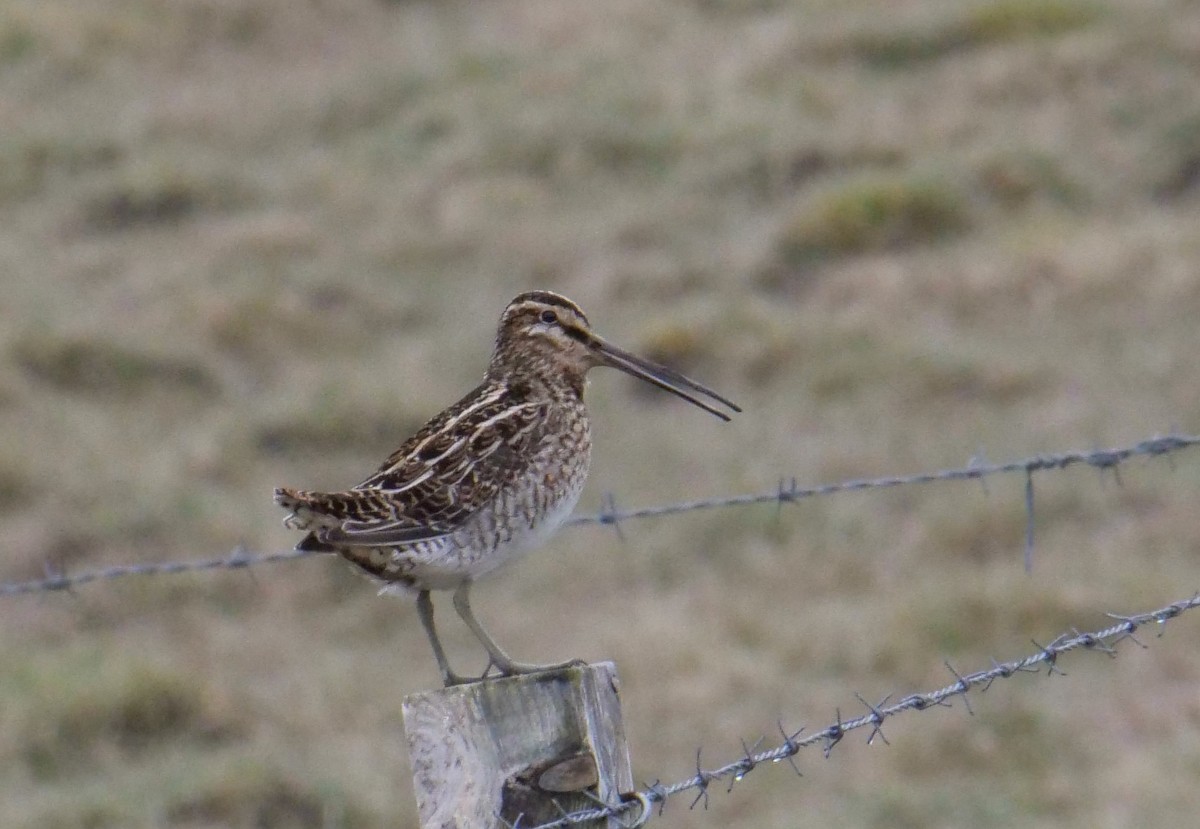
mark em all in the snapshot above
pixel 511 748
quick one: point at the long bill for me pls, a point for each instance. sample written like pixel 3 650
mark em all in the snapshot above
pixel 661 376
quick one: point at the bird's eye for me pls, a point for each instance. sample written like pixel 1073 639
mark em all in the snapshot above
pixel 549 317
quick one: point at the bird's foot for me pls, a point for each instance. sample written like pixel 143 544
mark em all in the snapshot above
pixel 450 679
pixel 511 668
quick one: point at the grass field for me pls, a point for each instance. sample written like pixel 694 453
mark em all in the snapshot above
pixel 255 243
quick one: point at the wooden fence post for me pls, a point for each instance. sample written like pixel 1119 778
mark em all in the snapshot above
pixel 513 747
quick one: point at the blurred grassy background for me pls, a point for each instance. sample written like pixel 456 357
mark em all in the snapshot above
pixel 253 242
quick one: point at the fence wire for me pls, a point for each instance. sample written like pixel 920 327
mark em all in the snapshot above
pixel 785 492
pixel 638 807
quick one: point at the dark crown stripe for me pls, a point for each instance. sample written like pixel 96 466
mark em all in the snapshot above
pixel 540 299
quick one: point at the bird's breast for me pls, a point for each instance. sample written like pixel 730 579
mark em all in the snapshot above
pixel 535 503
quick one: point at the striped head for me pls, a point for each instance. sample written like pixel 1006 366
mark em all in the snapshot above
pixel 548 335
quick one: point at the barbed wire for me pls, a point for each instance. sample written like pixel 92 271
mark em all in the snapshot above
pixel 786 492
pixel 1103 641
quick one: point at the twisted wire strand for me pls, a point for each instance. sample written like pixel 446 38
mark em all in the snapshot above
pixel 58 580
pixel 1103 641
pixel 786 492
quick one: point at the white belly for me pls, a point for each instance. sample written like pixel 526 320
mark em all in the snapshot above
pixel 526 538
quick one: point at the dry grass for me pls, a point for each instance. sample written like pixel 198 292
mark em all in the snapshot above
pixel 255 243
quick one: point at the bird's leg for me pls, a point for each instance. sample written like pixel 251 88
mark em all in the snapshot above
pixel 506 666
pixel 425 611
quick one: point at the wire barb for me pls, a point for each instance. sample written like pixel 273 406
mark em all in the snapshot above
pixel 1029 522
pixel 876 719
pixel 789 749
pixel 747 763
pixel 610 515
pixel 700 783
pixel 656 792
pixel 962 683
pixel 833 734
pixel 1050 657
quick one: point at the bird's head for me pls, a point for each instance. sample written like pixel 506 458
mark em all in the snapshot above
pixel 547 334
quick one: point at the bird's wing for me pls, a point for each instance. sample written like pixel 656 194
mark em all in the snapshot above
pixel 439 478
pixel 386 534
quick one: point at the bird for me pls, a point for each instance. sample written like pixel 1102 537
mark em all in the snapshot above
pixel 489 478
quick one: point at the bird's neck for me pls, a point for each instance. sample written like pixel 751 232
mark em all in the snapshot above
pixel 538 378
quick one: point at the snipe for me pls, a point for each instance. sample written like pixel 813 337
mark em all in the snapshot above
pixel 489 478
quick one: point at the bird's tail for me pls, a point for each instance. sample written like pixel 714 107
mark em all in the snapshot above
pixel 305 508
pixel 289 498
